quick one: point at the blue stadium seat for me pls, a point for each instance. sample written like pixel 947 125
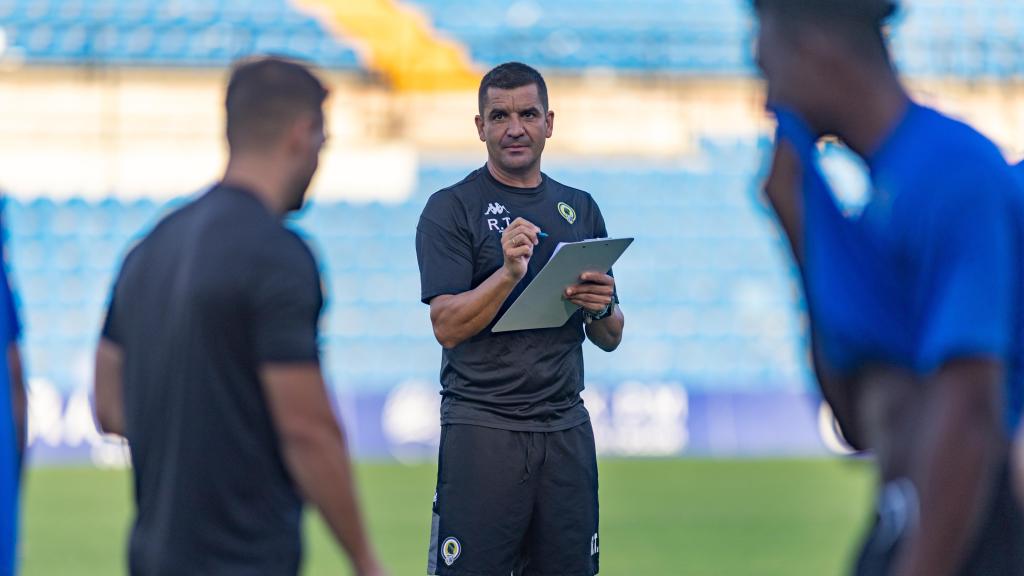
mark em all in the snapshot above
pixel 195 33
pixel 975 39
pixel 934 38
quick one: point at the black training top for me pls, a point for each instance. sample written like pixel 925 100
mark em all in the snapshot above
pixel 528 380
pixel 217 289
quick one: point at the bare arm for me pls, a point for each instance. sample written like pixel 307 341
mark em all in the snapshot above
pixel 109 390
pixel 457 318
pixel 316 454
pixel 19 402
pixel 783 191
pixel 958 458
pixel 606 333
pixel 842 397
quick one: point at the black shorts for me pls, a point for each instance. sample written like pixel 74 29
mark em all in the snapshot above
pixel 998 551
pixel 521 503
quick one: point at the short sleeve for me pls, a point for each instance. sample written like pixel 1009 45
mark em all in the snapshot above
pixel 600 229
pixel 111 326
pixel 287 299
pixel 967 274
pixel 11 325
pixel 443 250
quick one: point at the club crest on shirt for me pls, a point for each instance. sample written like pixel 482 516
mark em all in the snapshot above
pixel 451 549
pixel 567 212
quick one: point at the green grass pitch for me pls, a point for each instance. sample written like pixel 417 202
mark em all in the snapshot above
pixel 658 518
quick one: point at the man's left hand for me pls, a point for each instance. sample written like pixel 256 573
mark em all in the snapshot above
pixel 593 293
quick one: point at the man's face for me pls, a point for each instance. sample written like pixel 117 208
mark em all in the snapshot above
pixel 788 70
pixel 309 146
pixel 515 127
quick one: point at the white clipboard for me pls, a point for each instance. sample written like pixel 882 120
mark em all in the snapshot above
pixel 542 304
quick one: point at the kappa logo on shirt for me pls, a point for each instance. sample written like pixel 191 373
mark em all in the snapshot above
pixel 496 224
pixel 495 209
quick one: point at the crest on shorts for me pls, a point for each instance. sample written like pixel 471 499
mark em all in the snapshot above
pixel 451 549
pixel 567 212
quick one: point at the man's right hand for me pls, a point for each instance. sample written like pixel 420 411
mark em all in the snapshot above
pixel 517 242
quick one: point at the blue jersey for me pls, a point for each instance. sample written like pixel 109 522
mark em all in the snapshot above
pixel 932 269
pixel 10 459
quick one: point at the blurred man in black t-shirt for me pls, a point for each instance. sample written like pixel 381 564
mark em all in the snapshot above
pixel 517 473
pixel 209 360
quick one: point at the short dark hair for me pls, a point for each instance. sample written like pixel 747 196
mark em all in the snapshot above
pixel 265 93
pixel 512 75
pixel 860 22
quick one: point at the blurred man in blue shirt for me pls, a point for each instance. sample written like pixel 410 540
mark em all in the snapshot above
pixel 12 426
pixel 915 305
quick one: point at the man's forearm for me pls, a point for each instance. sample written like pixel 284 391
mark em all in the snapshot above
pixel 321 468
pixel 109 388
pixel 457 318
pixel 960 450
pixel 840 393
pixel 783 191
pixel 606 334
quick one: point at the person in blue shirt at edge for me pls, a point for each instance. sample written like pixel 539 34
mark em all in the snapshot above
pixel 13 408
pixel 916 305
pixel 1019 442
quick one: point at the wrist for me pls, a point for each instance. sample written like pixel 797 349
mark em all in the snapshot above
pixel 606 312
pixel 509 277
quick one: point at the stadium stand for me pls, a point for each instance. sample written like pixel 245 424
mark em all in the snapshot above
pixel 690 36
pixel 197 33
pixel 934 38
pixel 707 288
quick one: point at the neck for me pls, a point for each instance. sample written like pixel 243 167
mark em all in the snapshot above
pixel 259 175
pixel 529 179
pixel 874 104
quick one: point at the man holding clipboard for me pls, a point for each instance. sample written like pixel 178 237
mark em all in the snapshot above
pixel 517 469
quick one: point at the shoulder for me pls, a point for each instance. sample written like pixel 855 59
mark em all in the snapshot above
pixel 447 204
pixel 953 164
pixel 461 191
pixel 164 237
pixel 284 249
pixel 965 187
pixel 957 147
pixel 580 204
pixel 567 193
